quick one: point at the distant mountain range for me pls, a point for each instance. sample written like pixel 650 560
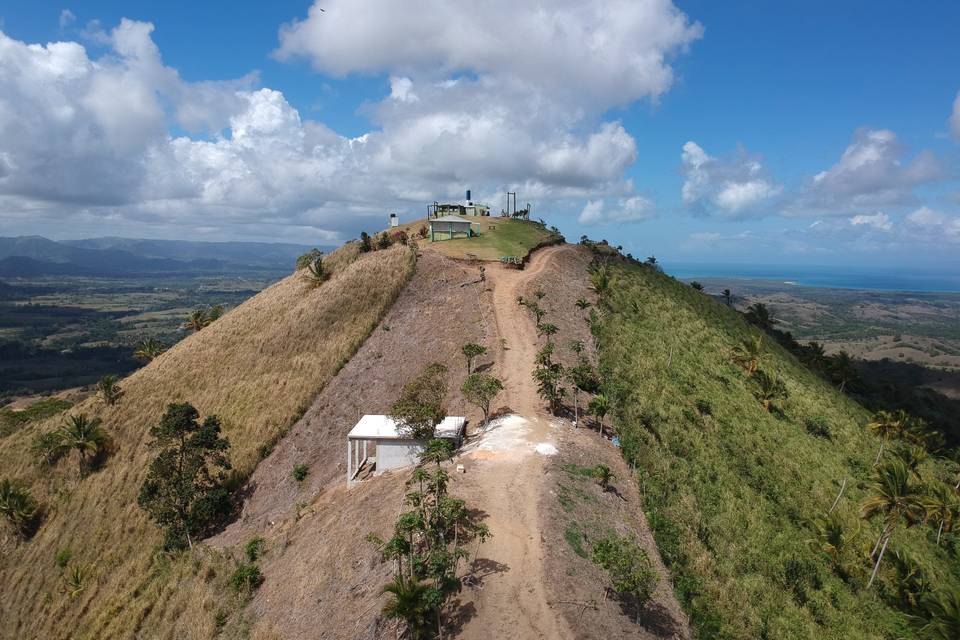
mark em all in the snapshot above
pixel 27 256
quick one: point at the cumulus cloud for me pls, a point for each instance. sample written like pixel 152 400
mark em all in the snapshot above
pixel 955 117
pixel 733 186
pixel 88 139
pixel 879 221
pixel 634 209
pixel 873 171
pixel 934 225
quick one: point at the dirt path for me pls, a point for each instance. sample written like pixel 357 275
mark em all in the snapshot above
pixel 512 601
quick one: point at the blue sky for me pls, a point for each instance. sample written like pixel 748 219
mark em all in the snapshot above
pixel 769 95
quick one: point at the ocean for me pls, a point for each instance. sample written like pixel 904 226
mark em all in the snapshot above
pixel 864 278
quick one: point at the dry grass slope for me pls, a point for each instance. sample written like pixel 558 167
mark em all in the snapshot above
pixel 258 368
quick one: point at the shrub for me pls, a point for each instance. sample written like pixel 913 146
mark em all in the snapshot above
pixel 62 559
pixel 365 244
pixel 629 567
pixel 246 577
pixel 308 258
pixel 254 548
pixel 384 241
pixel 19 507
pixel 818 427
pixel 300 472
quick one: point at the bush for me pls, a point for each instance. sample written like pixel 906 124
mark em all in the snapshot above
pixel 818 427
pixel 18 507
pixel 254 548
pixel 308 258
pixel 63 558
pixel 629 567
pixel 384 241
pixel 365 244
pixel 300 472
pixel 246 577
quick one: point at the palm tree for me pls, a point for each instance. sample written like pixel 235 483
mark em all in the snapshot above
pixel 600 279
pixel 599 407
pixel 895 499
pixel 759 315
pixel 547 329
pixel 604 475
pixel 768 389
pixel 108 389
pixel 197 320
pixel 412 603
pixel 148 349
pixel 886 426
pixel 912 457
pixel 941 615
pixel 943 507
pixel 214 314
pixel 749 354
pixel 83 435
pixel 583 304
pixel 18 506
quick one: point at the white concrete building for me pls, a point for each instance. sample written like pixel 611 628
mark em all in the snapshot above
pixel 390 448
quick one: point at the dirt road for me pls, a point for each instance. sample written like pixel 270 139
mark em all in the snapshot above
pixel 505 482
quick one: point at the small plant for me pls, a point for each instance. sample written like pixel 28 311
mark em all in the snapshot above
pixel 603 475
pixel 18 507
pixel 384 241
pixel 307 259
pixel 246 577
pixel 768 389
pixel 315 271
pixel 62 559
pixel 148 349
pixel 108 390
pixel 818 427
pixel 75 579
pixel 300 472
pixel 220 619
pixel 365 244
pixel 254 548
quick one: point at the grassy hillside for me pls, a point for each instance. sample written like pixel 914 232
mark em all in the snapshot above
pixel 257 368
pixel 734 492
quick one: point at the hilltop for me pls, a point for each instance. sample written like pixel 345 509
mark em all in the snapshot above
pixel 725 496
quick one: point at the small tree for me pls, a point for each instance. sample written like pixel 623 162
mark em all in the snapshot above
pixel 81 434
pixel 549 376
pixel 108 390
pixel 759 315
pixel 365 244
pixel 603 475
pixel 148 349
pixel 768 389
pixel 419 409
pixel 599 407
pixel 184 490
pixel 696 285
pixel 894 498
pixel 197 320
pixel 480 389
pixel 749 354
pixel 547 329
pixel 727 297
pixel 470 351
pixel 18 507
pixel 583 304
pixel 307 258
pixel 214 314
pixel 414 601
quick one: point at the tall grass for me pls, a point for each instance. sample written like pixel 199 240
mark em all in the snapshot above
pixel 257 368
pixel 732 491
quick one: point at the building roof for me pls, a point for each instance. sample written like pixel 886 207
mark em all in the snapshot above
pixel 376 427
pixel 450 219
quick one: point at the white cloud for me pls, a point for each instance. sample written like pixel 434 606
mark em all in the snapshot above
pixel 934 225
pixel 873 171
pixel 66 18
pixel 86 141
pixel 626 210
pixel 879 221
pixel 735 185
pixel 955 117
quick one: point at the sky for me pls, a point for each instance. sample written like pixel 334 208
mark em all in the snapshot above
pixel 812 132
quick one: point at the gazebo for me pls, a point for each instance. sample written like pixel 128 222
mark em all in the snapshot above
pixel 393 449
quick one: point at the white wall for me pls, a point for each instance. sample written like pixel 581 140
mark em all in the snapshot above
pixel 393 455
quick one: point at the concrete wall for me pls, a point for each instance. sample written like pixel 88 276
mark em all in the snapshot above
pixel 393 455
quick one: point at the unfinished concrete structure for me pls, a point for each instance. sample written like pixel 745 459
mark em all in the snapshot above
pixel 391 448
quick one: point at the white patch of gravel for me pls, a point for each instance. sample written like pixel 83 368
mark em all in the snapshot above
pixel 546 449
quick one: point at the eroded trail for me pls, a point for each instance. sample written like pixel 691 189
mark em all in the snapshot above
pixel 505 481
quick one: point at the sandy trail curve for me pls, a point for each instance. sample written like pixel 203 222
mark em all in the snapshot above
pixel 505 482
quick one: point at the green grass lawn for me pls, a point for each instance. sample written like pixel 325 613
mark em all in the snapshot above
pixel 498 237
pixel 733 492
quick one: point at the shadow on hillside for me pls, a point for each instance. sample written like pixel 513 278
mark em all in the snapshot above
pixel 658 620
pixel 459 616
pixel 891 385
pixel 482 568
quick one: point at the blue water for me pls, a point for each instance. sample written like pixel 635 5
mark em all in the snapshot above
pixel 868 278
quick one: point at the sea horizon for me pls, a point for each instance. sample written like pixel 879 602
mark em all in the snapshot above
pixel 830 277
